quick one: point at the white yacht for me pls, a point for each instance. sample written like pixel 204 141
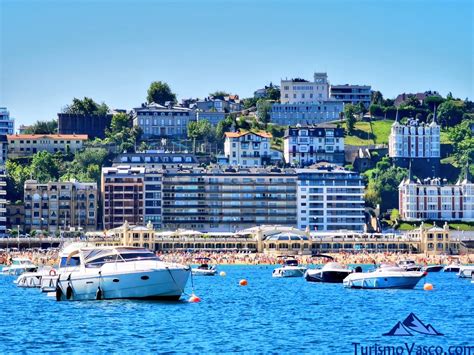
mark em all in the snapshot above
pixel 453 267
pixel 204 269
pixel 466 271
pixel 94 273
pixel 331 272
pixel 33 279
pixel 386 276
pixel 409 265
pixel 19 266
pixel 290 268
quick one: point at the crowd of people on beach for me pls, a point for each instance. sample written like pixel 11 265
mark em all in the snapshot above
pixel 50 257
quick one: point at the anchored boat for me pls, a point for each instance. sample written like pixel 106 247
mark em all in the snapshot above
pixel 19 266
pixel 204 269
pixel 386 276
pixel 290 268
pixel 94 273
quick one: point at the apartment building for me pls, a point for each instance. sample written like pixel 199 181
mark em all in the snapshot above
pixel 436 199
pixel 330 198
pixel 163 121
pixel 248 149
pixel 352 94
pixel 21 145
pixel 7 124
pixel 122 195
pixel 153 186
pixel 228 199
pixel 306 145
pixel 56 206
pixel 306 113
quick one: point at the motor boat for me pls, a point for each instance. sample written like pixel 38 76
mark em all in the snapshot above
pixel 409 265
pixel 331 272
pixel 290 268
pixel 433 268
pixel 386 276
pixel 204 269
pixel 466 271
pixel 94 273
pixel 19 266
pixel 453 267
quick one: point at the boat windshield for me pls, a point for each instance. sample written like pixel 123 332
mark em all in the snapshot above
pixel 98 257
pixel 73 261
pixel 291 262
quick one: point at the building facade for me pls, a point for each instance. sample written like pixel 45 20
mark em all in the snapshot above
pixel 56 206
pixel 7 124
pixel 163 121
pixel 93 126
pixel 330 198
pixel 152 159
pixel 352 94
pixel 306 145
pixel 229 199
pixel 435 199
pixel 122 195
pixel 248 149
pixel 291 114
pixel 21 145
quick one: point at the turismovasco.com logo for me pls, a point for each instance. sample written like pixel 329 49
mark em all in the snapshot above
pixel 412 324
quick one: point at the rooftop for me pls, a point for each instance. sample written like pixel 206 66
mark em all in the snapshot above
pixel 51 136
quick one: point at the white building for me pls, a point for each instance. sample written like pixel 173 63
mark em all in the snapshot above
pixel 299 90
pixel 161 121
pixel 304 102
pixel 248 149
pixel 435 199
pixel 306 145
pixel 414 140
pixel 352 94
pixel 7 124
pixel 20 145
pixel 330 198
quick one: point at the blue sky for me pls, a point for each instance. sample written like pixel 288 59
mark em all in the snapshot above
pixel 110 50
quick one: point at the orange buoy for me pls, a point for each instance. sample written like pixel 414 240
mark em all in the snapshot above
pixel 194 299
pixel 428 287
pixel 243 282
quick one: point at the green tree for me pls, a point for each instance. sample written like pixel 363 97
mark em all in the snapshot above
pixel 450 112
pixel 86 106
pixel 273 93
pixel 349 114
pixel 43 127
pixel 377 98
pixel 219 94
pixel 160 92
pixel 382 187
pixel 224 126
pixel 433 101
pixel 263 111
pixel 45 167
pixel 122 133
pixel 200 130
pixel 16 175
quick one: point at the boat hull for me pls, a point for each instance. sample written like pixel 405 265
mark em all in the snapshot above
pixel 201 272
pixel 326 276
pixel 433 268
pixel 165 284
pixel 466 272
pixel 376 282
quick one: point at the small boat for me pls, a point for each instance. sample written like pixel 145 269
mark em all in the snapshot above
pixel 466 271
pixel 386 276
pixel 95 273
pixel 19 266
pixel 204 269
pixel 453 267
pixel 331 272
pixel 409 265
pixel 433 268
pixel 290 268
pixel 33 279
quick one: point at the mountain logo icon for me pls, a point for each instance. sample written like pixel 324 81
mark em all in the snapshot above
pixel 412 324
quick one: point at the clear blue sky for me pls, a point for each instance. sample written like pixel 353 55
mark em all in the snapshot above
pixel 110 50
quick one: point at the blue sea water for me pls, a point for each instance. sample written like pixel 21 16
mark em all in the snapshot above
pixel 267 316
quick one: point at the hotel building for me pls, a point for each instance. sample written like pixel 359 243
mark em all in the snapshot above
pixel 122 195
pixel 55 206
pixel 352 94
pixel 330 198
pixel 435 199
pixel 248 149
pixel 417 144
pixel 300 90
pixel 21 145
pixel 306 145
pixel 163 121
